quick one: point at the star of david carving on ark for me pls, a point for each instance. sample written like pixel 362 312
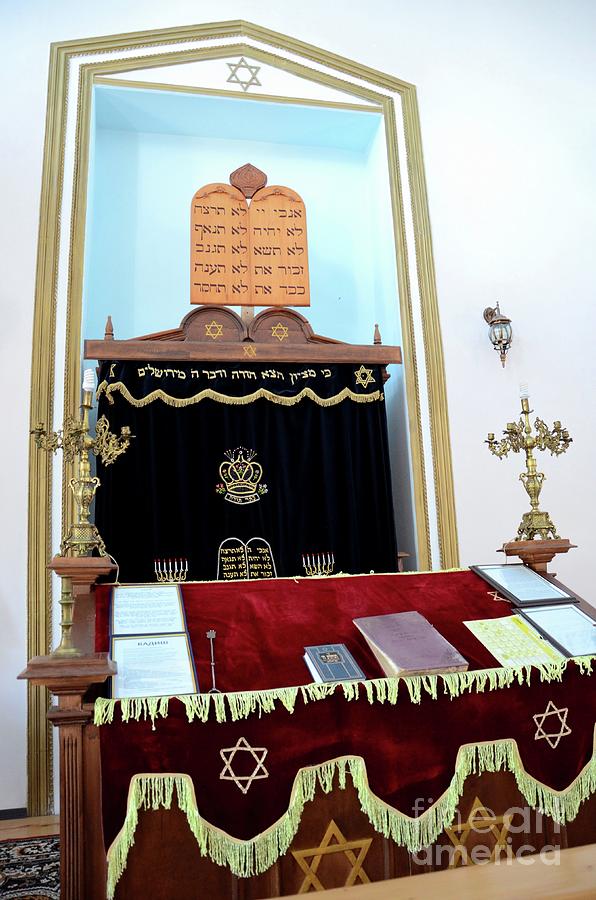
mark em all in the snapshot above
pixel 480 820
pixel 325 848
pixel 259 771
pixel 250 350
pixel 280 331
pixel 364 376
pixel 556 725
pixel 214 330
pixel 242 66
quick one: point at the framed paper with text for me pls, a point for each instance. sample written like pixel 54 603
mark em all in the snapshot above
pixel 523 586
pixel 149 642
pixel 153 665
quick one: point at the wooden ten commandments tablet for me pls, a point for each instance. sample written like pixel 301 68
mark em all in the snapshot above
pixel 248 247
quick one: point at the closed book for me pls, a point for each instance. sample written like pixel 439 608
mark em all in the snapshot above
pixel 407 644
pixel 332 662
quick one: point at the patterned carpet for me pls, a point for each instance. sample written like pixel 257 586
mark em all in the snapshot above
pixel 30 869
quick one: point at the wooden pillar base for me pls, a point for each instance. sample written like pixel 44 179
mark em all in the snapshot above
pixel 69 679
pixel 537 554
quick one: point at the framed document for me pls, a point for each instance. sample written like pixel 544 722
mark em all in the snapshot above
pixel 566 627
pixel 155 665
pixel 149 642
pixel 523 586
pixel 147 609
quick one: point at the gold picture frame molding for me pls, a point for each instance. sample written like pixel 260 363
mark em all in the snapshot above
pixel 40 767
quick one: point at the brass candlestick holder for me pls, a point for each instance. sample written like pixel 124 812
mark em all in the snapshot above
pixel 66 647
pixel 82 537
pixel 518 436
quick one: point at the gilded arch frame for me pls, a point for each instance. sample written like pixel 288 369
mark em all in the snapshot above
pixel 425 375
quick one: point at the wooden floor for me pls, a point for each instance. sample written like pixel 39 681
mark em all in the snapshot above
pixel 571 877
pixel 39 826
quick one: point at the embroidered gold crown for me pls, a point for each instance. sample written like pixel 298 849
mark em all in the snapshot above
pixel 241 476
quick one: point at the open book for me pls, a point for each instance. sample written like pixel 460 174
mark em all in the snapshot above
pixel 407 644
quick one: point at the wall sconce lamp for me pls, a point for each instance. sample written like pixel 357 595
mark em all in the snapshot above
pixel 499 331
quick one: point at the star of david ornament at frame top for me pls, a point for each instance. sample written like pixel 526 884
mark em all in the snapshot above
pixel 214 330
pixel 326 848
pixel 480 821
pixel 244 82
pixel 364 376
pixel 243 781
pixel 554 717
pixel 280 331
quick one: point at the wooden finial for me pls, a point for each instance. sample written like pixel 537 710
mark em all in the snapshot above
pixel 248 179
pixel 377 337
pixel 109 332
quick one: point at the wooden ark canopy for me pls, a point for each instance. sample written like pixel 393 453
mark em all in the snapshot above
pixel 218 334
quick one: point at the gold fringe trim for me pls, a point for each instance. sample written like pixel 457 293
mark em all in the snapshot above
pixel 305 579
pixel 209 394
pixel 255 856
pixel 237 705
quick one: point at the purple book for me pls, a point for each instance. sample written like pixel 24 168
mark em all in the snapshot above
pixel 407 644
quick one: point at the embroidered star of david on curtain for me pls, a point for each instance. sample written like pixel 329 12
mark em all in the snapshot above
pixel 364 376
pixel 243 781
pixel 556 725
pixel 326 848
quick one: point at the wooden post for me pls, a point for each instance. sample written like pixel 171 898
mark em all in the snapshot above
pixel 69 680
pixel 82 860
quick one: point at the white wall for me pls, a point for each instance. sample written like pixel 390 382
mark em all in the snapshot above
pixel 506 92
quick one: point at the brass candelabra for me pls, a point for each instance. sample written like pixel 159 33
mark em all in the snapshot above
pixel 170 571
pixel 317 564
pixel 82 537
pixel 518 436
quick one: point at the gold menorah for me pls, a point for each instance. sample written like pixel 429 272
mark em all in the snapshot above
pixel 518 436
pixel 170 571
pixel 82 537
pixel 318 563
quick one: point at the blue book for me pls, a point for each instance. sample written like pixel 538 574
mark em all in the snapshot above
pixel 332 662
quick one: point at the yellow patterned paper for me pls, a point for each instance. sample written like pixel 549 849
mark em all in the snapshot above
pixel 513 642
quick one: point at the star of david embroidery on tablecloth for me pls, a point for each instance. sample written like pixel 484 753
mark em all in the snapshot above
pixel 243 781
pixel 325 848
pixel 250 350
pixel 214 330
pixel 244 82
pixel 496 596
pixel 364 376
pixel 280 331
pixel 480 820
pixel 552 736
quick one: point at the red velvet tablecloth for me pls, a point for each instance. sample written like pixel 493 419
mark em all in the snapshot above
pixel 409 749
pixel 263 626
